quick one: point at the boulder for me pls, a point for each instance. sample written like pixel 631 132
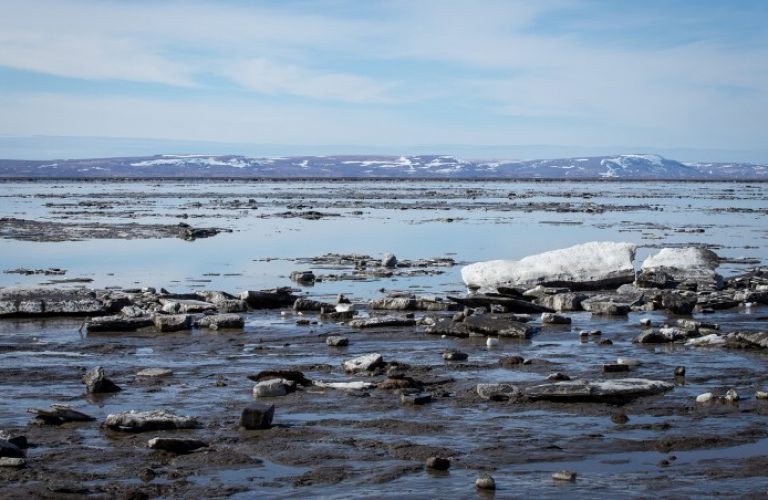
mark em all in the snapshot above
pixel 257 416
pixel 10 450
pixel 272 388
pixel 133 421
pixel 617 390
pixel 594 265
pixel 269 299
pixel 554 319
pixel 221 321
pixel 95 382
pixel 24 301
pixel 673 267
pixel 176 445
pixel 679 302
pixel 337 341
pixel 165 323
pixel 365 363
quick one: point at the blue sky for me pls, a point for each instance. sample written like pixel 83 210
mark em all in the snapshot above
pixel 608 75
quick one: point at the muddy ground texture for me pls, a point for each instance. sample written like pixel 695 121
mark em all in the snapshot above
pixel 365 393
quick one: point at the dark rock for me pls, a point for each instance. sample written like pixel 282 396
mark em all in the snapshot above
pixel 95 382
pixel 498 324
pixel 678 302
pixel 269 299
pixel 303 277
pixel 651 337
pixel 438 463
pixel 558 376
pixel 511 361
pixel 10 450
pixel 389 261
pixel 498 391
pixel 146 474
pixel 454 355
pixel 294 376
pixel 302 304
pixel 485 482
pixel 15 301
pixel 117 324
pixel 615 368
pixel 416 399
pixel 59 414
pixel 257 416
pixel 508 303
pixel 679 371
pixel 337 341
pixel 176 445
pixel 382 322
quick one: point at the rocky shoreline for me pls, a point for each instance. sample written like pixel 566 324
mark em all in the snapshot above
pixel 281 369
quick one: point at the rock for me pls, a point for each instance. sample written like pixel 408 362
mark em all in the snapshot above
pixel 117 323
pixel 416 399
pixel 133 311
pixel 511 361
pixel 173 306
pixel 454 355
pixel 19 441
pixel 731 396
pixel 554 319
pixel 628 361
pixel 491 342
pixel 679 302
pixel 154 372
pixel 16 463
pixel 508 304
pixel 565 301
pixel 705 398
pixel 303 277
pixel 606 307
pixel 337 341
pixel 292 377
pixel 302 304
pixel 672 267
pixel 365 363
pixel 382 322
pixel 354 386
pixel 395 304
pixel 679 371
pixel 257 416
pixel 558 376
pixel 221 321
pixel 564 475
pixel 268 299
pixel 707 340
pixel 10 450
pixel 176 445
pixel 23 301
pixel 485 482
pixel 95 382
pixel 619 418
pixel 438 463
pixel 748 340
pixel 618 390
pixel 146 474
pixel 498 391
pixel 165 323
pixel 645 322
pixel 651 337
pixel 595 265
pixel 133 421
pixel 605 342
pixel 761 395
pixel 389 261
pixel 59 414
pixel 272 388
pixel 615 368
pixel 498 324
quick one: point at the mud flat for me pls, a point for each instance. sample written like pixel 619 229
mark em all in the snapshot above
pixel 335 360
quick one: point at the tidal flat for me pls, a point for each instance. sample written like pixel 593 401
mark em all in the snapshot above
pixel 377 263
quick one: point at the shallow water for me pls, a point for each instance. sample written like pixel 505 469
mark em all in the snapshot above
pixel 337 444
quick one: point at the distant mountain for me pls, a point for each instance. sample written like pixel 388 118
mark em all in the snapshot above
pixel 360 166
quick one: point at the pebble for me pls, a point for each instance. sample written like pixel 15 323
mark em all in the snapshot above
pixel 146 474
pixel 485 482
pixel 761 395
pixel 438 463
pixel 619 418
pixel 705 398
pixel 731 396
pixel 679 371
pixel 415 399
pixel 645 322
pixel 558 376
pixel 492 342
pixel 564 475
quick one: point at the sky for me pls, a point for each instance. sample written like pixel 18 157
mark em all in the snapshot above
pixel 484 77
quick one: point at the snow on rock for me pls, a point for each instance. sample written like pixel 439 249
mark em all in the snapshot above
pixel 594 265
pixel 672 266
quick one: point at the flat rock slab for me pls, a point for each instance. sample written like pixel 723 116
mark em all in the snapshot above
pixel 618 390
pixel 257 416
pixel 59 414
pixel 594 265
pixel 23 301
pixel 176 445
pixel 154 372
pixel 381 322
pixel 132 421
pixel 186 306
pixel 222 321
pixel 117 323
pixel 498 392
pixel 12 462
pixel 165 323
pixel 510 304
pixel 498 324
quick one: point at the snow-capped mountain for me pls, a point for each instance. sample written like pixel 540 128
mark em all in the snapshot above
pixel 634 166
